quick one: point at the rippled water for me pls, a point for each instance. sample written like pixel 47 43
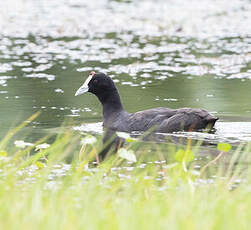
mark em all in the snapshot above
pixel 160 53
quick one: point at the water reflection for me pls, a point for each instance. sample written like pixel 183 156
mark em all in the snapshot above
pixel 156 52
pixel 230 132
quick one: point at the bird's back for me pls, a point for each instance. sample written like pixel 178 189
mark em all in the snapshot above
pixel 163 119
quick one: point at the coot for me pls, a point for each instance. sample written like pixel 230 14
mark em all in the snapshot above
pixel 163 120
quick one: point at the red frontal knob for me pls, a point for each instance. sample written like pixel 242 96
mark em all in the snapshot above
pixel 92 73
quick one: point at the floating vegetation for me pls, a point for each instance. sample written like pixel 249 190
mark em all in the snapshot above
pixel 160 53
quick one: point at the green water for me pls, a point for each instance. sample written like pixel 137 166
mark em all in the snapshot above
pixel 159 53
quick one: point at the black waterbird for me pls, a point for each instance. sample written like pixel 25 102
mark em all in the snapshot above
pixel 162 120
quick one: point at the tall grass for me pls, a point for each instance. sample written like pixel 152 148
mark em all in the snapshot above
pixel 39 191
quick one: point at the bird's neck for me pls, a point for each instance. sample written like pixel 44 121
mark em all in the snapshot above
pixel 111 103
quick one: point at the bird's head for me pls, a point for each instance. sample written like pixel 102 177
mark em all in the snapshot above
pixel 97 83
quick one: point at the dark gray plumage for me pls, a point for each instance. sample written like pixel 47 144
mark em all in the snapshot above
pixel 163 120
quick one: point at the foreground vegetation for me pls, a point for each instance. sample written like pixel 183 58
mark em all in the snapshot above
pixel 57 186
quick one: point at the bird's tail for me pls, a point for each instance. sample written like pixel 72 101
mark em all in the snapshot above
pixel 211 121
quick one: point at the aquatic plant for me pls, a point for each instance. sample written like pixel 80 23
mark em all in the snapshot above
pixel 61 186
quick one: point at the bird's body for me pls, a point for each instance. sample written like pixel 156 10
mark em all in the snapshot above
pixel 164 120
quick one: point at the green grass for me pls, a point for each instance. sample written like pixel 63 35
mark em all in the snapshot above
pixel 100 198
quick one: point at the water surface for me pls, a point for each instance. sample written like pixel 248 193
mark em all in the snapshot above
pixel 160 53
